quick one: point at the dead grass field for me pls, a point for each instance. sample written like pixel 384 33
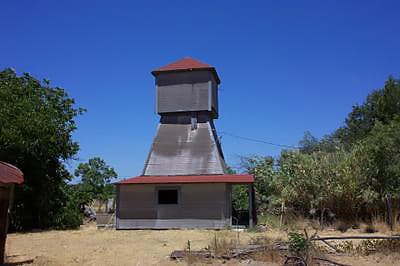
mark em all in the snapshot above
pixel 90 246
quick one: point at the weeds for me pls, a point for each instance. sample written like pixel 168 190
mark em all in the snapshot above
pixel 299 248
pixel 370 229
pixel 368 246
pixel 221 242
pixel 345 246
pixel 342 226
pixel 298 244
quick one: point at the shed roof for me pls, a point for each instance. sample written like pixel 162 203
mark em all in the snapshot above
pixel 10 174
pixel 184 179
pixel 186 64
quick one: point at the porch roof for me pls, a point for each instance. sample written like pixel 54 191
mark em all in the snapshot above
pixel 10 174
pixel 184 179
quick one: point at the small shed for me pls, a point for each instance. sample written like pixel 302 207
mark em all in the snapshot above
pixel 185 182
pixel 9 176
pixel 160 202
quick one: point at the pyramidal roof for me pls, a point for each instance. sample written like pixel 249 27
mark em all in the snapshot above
pixel 186 64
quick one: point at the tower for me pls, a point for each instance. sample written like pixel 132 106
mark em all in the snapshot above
pixel 184 183
pixel 186 142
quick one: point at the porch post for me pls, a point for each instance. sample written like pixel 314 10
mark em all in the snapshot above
pixel 117 199
pixel 5 192
pixel 251 223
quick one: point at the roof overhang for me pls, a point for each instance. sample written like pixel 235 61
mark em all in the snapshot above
pixel 189 179
pixel 9 174
pixel 212 69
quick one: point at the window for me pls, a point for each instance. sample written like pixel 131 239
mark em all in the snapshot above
pixel 168 196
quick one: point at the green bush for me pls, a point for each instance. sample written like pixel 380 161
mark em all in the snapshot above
pixel 69 216
pixel 298 245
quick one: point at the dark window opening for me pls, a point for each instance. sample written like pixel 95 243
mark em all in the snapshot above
pixel 168 196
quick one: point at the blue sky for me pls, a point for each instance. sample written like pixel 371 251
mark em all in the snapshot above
pixel 286 66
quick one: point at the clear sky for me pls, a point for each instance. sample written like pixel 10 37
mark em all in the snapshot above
pixel 285 66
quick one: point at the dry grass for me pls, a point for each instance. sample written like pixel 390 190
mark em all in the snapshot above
pixel 379 225
pixel 90 246
pixel 221 241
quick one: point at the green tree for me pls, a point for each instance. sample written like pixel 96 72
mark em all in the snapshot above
pixel 381 105
pixel 348 172
pixel 264 172
pixel 309 143
pixel 95 177
pixel 380 155
pixel 36 125
pixel 239 193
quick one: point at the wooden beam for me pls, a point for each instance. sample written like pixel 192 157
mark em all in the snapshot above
pixel 354 237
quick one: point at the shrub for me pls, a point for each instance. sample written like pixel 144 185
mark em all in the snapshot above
pixel 69 216
pixel 298 244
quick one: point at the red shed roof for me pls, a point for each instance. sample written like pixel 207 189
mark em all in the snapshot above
pixel 181 179
pixel 10 174
pixel 186 64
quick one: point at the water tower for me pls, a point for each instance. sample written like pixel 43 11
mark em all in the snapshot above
pixel 186 142
pixel 184 183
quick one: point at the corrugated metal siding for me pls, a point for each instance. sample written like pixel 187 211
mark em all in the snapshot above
pixel 171 223
pixel 214 98
pixel 171 78
pixel 229 204
pixel 179 150
pixel 182 97
pixel 185 91
pixel 219 147
pixel 140 202
pixel 189 179
pixel 137 202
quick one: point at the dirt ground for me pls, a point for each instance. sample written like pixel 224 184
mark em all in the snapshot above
pixel 92 246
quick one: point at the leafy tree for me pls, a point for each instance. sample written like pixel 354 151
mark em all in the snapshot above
pixel 317 181
pixel 381 159
pixel 330 143
pixel 69 215
pixel 265 175
pixel 36 124
pixel 309 143
pixel 381 105
pixel 306 183
pixel 95 176
pixel 348 172
pixel 263 169
pixel 239 194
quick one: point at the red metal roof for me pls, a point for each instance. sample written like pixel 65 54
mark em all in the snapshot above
pixel 187 64
pixel 181 179
pixel 184 63
pixel 10 174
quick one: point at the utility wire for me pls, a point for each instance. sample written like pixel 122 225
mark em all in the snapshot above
pixel 258 140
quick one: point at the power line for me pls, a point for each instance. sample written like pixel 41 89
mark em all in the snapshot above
pixel 258 140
